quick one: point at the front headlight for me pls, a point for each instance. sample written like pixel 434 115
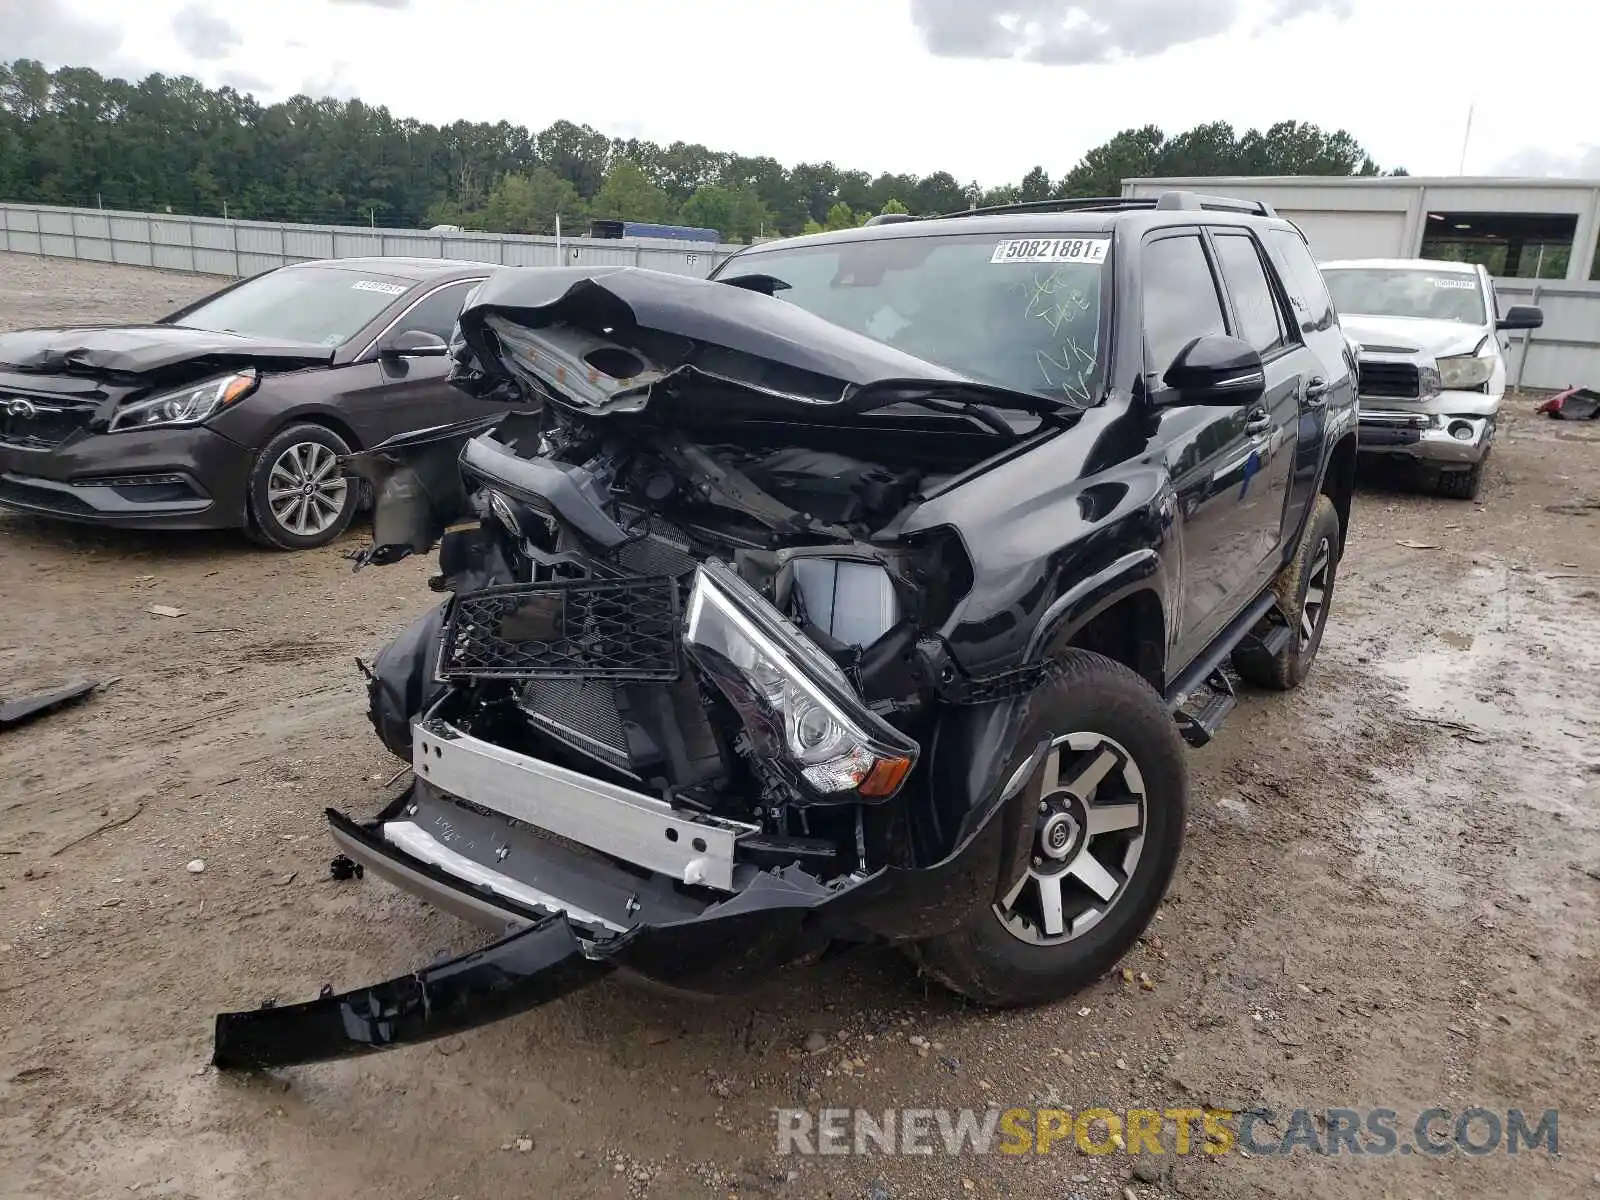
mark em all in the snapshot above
pixel 1464 372
pixel 187 405
pixel 797 705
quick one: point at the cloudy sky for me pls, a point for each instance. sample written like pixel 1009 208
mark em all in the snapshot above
pixel 982 88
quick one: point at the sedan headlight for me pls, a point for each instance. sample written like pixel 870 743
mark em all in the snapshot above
pixel 797 705
pixel 1464 372
pixel 188 405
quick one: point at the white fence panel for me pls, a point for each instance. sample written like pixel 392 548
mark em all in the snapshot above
pixel 226 247
pixel 1565 351
pixel 303 242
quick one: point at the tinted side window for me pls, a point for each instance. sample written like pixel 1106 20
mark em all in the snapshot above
pixel 1180 299
pixel 1260 321
pixel 1313 307
pixel 437 314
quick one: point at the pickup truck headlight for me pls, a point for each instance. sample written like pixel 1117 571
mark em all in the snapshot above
pixel 188 405
pixel 1464 372
pixel 796 704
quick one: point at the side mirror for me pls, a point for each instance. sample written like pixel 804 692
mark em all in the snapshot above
pixel 1216 369
pixel 1521 316
pixel 414 343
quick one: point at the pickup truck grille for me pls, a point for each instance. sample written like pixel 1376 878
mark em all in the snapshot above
pixel 1399 381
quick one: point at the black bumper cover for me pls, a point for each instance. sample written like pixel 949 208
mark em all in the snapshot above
pixel 777 920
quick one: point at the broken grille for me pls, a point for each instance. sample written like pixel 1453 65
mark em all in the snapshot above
pixel 1401 381
pixel 575 629
pixel 38 425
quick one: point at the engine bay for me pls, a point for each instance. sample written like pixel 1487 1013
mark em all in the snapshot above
pixel 610 504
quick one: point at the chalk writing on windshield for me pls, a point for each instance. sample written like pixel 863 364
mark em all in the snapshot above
pixel 1059 301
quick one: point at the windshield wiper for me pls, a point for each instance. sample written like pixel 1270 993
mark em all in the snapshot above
pixel 988 415
pixel 985 414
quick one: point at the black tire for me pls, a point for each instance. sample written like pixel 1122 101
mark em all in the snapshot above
pixel 1463 485
pixel 1316 562
pixel 983 959
pixel 269 524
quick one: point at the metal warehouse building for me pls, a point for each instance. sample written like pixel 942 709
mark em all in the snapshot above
pixel 1540 238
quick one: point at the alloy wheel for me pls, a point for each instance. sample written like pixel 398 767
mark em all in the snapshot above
pixel 306 490
pixel 1315 605
pixel 1088 839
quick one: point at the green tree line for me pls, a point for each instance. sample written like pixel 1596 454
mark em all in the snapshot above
pixel 168 143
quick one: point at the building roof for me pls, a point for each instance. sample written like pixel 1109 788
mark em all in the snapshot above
pixel 1213 182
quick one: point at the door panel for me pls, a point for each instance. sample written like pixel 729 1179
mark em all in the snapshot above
pixel 1277 420
pixel 398 395
pixel 1272 423
pixel 1330 386
pixel 1208 457
pixel 1211 453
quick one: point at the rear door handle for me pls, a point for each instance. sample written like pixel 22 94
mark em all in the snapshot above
pixel 1316 391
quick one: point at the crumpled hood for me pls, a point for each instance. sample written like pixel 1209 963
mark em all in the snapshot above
pixel 142 349
pixel 603 338
pixel 1412 335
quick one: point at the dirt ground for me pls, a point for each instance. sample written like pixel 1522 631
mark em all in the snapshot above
pixel 1389 896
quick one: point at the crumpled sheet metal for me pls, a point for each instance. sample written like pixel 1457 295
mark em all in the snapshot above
pixel 1573 404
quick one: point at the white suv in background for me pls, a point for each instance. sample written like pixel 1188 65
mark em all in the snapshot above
pixel 1432 360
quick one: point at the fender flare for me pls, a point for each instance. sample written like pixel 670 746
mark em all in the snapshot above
pixel 1139 570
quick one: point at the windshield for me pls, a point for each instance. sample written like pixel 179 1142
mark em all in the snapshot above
pixel 1391 292
pixel 320 305
pixel 1020 313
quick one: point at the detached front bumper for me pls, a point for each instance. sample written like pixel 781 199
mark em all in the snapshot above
pixel 155 479
pixel 573 909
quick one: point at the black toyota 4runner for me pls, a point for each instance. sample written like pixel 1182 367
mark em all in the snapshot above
pixel 866 591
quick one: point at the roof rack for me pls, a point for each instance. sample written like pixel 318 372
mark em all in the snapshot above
pixel 1193 201
pixel 1069 204
pixel 1167 201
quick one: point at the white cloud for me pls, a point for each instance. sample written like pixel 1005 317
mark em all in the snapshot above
pixel 204 34
pixel 57 35
pixel 1582 162
pixel 1068 32
pixel 854 82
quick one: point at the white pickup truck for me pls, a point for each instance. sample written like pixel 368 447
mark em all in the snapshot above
pixel 1432 360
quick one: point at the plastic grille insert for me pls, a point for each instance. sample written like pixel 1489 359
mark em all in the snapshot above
pixel 624 629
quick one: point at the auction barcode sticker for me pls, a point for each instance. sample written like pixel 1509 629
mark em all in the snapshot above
pixel 1052 250
pixel 1466 285
pixel 372 285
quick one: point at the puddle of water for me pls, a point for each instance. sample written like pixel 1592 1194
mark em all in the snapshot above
pixel 1458 684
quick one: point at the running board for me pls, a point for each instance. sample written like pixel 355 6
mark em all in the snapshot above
pixel 1200 726
pixel 1206 673
pixel 1271 643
